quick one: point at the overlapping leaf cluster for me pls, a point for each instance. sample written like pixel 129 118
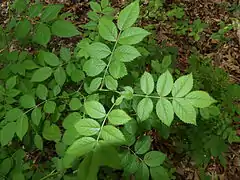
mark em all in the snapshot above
pixel 78 103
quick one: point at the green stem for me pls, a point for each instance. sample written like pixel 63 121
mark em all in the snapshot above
pixel 104 120
pixel 53 173
pixel 134 153
pixel 110 59
pixel 107 90
pixel 154 97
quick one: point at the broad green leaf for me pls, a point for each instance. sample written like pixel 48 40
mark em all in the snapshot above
pixel 164 110
pixel 164 84
pixel 111 83
pixel 144 108
pixel 94 17
pixel 56 90
pixel 131 126
pixel 214 111
pixel 21 126
pixel 87 127
pixel 132 35
pixel 89 167
pixel 104 3
pixel 98 50
pixel 11 82
pixel 130 163
pixel 6 166
pixel 50 58
pixel 184 110
pixel 108 154
pixel 81 146
pixel 93 67
pixel 126 53
pixel 27 101
pixel 70 135
pixel 36 116
pixel 142 172
pixel 7 133
pixel 154 158
pixel 205 113
pixel 112 135
pixel 60 76
pixel 30 65
pixel 118 117
pixel 77 75
pixel 107 29
pixel 38 142
pixel 158 173
pixel 13 114
pixel 70 68
pixel 22 29
pixel 95 6
pixel 147 83
pixel 13 92
pixel 18 176
pixel 142 145
pixel 65 29
pixel 167 61
pixel 49 107
pixel 20 5
pixel 127 93
pixel 71 119
pixel 41 74
pixel 34 10
pixel 42 92
pixel 200 99
pixel 65 54
pixel 117 69
pixel 182 86
pixel 128 16
pixel 95 84
pixel 42 34
pixel 51 132
pixel 51 12
pixel 60 148
pixel 75 104
pixel 94 109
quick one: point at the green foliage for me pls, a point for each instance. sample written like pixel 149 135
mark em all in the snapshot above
pixel 96 106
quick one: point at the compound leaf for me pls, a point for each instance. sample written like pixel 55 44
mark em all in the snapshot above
pixel 144 108
pixel 93 67
pixel 126 53
pixel 164 110
pixel 182 86
pixel 200 99
pixel 107 29
pixel 94 109
pixel 112 135
pixel 64 29
pixel 87 127
pixel 98 50
pixel 128 16
pixel 184 110
pixel 132 35
pixel 142 145
pixel 118 117
pixel 164 84
pixel 154 158
pixel 147 83
pixel 81 146
pixel 51 12
pixel 42 35
pixel 41 74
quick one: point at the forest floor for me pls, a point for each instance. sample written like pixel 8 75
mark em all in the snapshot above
pixel 223 55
